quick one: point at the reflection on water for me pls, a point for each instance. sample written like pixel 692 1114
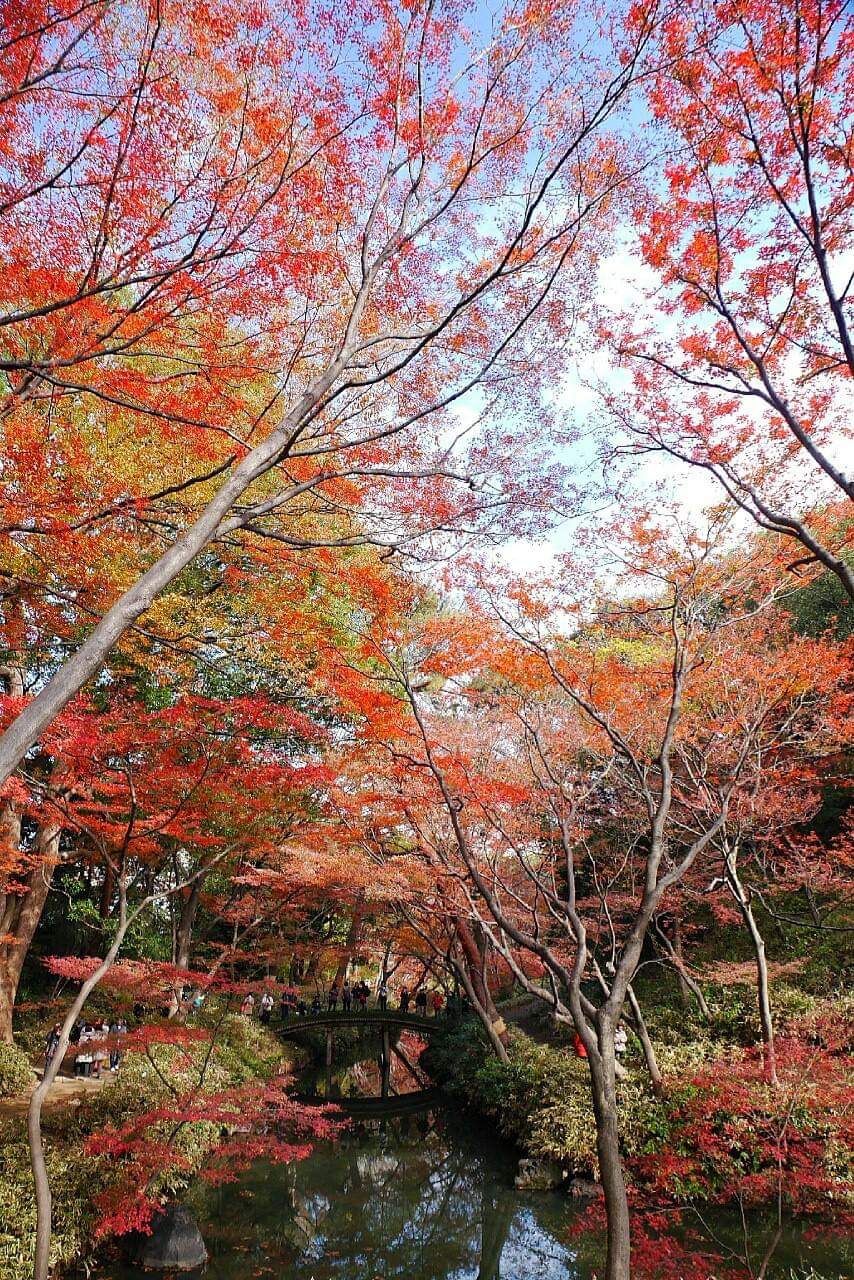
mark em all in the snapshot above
pixel 426 1194
pixel 418 1196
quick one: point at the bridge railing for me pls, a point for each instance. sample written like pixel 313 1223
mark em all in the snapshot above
pixel 361 1018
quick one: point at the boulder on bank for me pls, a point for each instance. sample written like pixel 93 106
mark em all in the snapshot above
pixel 175 1243
pixel 539 1175
pixel 584 1189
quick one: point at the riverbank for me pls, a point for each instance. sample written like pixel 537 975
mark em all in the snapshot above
pixel 718 1134
pixel 88 1178
pixel 430 1195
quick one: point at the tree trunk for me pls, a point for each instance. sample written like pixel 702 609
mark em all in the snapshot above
pixel 492 1024
pixel 612 1177
pixel 20 914
pixel 764 994
pixel 186 924
pixel 183 944
pixel 763 990
pixel 477 986
pixel 679 965
pixel 351 946
pixel 640 1028
pixel 108 889
pixel 682 975
pixel 646 1044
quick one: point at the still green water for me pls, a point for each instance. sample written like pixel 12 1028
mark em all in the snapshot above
pixel 416 1190
pixel 430 1196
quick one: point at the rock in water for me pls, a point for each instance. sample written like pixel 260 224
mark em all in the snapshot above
pixel 175 1243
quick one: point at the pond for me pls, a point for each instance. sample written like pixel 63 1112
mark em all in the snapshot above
pixel 422 1192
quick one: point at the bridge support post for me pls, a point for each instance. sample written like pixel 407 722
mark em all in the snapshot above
pixel 329 1048
pixel 386 1062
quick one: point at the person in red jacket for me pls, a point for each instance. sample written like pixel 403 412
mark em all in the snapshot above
pixel 579 1046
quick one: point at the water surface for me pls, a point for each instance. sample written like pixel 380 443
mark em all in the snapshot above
pixel 423 1192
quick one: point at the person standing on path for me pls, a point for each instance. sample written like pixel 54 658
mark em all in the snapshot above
pixel 83 1061
pixel 333 998
pixel 101 1056
pixel 438 1001
pixel 404 1000
pixel 248 1006
pixel 119 1029
pixel 421 1002
pixel 346 997
pixel 382 995
pixel 51 1045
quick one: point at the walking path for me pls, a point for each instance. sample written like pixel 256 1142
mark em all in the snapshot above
pixel 66 1091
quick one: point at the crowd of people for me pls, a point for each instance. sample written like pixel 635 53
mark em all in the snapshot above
pixel 93 1055
pixel 350 997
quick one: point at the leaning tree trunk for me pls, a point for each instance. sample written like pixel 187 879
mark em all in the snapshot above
pixel 766 1020
pixel 477 987
pixel 646 1044
pixel 351 946
pixel 641 1030
pixel 677 960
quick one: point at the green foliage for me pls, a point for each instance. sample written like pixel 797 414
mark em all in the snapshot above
pixel 73 1180
pixel 822 607
pixel 541 1097
pixel 15 1071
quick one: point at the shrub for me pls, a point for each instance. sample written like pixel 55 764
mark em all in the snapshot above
pixel 15 1071
pixel 80 1179
pixel 73 1179
pixel 541 1097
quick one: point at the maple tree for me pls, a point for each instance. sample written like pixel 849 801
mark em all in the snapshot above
pixel 344 182
pixel 566 786
pixel 749 234
pixel 286 298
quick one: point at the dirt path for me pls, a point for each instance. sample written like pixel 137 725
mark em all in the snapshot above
pixel 66 1091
